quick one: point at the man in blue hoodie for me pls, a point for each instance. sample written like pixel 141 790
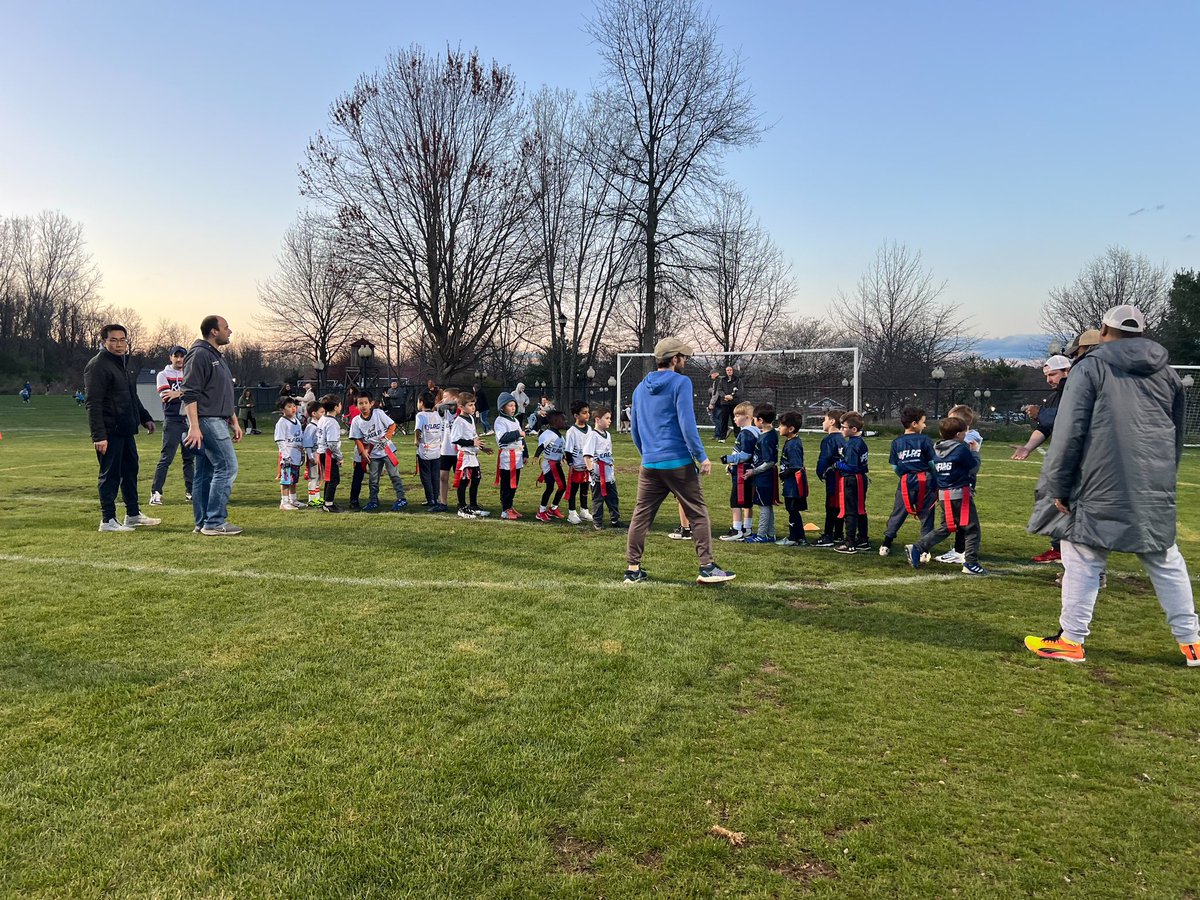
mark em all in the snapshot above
pixel 664 432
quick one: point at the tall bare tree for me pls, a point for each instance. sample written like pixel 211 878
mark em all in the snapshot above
pixel 675 102
pixel 421 168
pixel 1113 278
pixel 310 304
pixel 898 321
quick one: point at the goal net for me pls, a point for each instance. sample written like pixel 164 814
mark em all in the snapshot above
pixel 808 381
pixel 1191 394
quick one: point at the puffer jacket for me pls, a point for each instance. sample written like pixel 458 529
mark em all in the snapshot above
pixel 113 406
pixel 1118 439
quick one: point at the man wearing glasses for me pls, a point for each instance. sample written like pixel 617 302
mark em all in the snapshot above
pixel 114 413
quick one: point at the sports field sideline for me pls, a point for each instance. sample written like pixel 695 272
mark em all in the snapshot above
pixel 415 705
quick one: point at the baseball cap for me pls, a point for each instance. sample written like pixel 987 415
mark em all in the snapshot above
pixel 672 346
pixel 1089 338
pixel 1125 318
pixel 1055 363
pixel 177 350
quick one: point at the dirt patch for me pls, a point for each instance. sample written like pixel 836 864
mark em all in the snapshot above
pixel 840 831
pixel 574 854
pixel 804 605
pixel 803 871
pixel 651 859
pixel 770 668
pixel 1102 675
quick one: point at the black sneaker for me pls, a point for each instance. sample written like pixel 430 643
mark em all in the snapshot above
pixel 635 577
pixel 824 541
pixel 618 524
pixel 355 505
pixel 713 574
pixel 331 508
pixel 681 534
pixel 733 534
pixel 864 545
pixel 845 548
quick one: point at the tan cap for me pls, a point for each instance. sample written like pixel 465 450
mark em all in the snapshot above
pixel 1125 318
pixel 1089 338
pixel 672 346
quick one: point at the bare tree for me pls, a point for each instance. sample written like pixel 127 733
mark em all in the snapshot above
pixel 675 102
pixel 135 329
pixel 310 305
pixel 740 282
pixel 897 320
pixel 1113 278
pixel 422 169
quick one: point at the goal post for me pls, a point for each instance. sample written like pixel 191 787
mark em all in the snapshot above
pixel 809 380
pixel 1191 404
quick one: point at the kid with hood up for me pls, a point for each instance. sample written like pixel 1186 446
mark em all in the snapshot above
pixel 511 453
pixel 956 463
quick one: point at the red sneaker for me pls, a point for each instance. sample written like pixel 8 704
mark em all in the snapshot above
pixel 1049 556
pixel 515 514
pixel 508 514
pixel 555 513
pixel 542 516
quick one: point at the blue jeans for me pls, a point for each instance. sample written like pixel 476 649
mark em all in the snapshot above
pixel 216 467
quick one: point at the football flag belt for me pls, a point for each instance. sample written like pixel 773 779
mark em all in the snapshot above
pixel 964 508
pixel 602 468
pixel 739 475
pixel 921 480
pixel 512 468
pixel 555 470
pixel 801 477
pixel 833 488
pixel 327 458
pixel 861 500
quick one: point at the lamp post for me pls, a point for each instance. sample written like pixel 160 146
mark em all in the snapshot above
pixel 319 365
pixel 591 374
pixel 937 375
pixel 612 386
pixel 364 356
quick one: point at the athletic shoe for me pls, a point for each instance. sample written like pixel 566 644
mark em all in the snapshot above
pixel 825 541
pixel 952 558
pixel 399 505
pixel 730 535
pixel 586 515
pixel 618 524
pixel 155 498
pixel 863 545
pixel 884 549
pixel 635 577
pixel 515 514
pixel 480 513
pixel 508 515
pixel 114 525
pixel 1049 556
pixel 139 519
pixel 331 508
pixel 555 513
pixel 845 548
pixel 196 530
pixel 974 569
pixel 372 506
pixel 597 525
pixel 680 534
pixel 914 555
pixel 439 507
pixel 188 496
pixel 288 505
pixel 1191 653
pixel 1055 647
pixel 573 518
pixel 543 516
pixel 465 513
pixel 355 506
pixel 925 558
pixel 785 542
pixel 713 574
pixel 225 529
pixel 760 539
pixel 315 502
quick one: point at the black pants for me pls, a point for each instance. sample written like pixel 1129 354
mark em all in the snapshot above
pixel 724 417
pixel 795 507
pixel 468 478
pixel 579 489
pixel 173 434
pixel 970 533
pixel 508 491
pixel 960 537
pixel 356 481
pixel 855 522
pixel 552 485
pixel 430 471
pixel 335 478
pixel 834 526
pixel 900 513
pixel 606 495
pixel 119 471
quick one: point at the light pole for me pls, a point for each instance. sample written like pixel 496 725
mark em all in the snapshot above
pixel 612 386
pixel 937 375
pixel 591 374
pixel 364 355
pixel 319 365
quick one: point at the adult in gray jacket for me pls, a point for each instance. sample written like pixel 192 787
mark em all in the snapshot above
pixel 213 427
pixel 1108 482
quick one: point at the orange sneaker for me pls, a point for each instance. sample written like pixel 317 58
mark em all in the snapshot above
pixel 1191 653
pixel 1055 647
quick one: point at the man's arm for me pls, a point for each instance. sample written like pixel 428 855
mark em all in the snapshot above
pixel 687 421
pixel 1035 440
pixel 93 388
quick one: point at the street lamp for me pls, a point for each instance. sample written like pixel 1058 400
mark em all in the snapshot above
pixel 612 386
pixel 937 375
pixel 591 374
pixel 364 355
pixel 478 376
pixel 319 365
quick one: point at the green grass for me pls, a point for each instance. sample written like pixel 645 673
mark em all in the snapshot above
pixel 467 709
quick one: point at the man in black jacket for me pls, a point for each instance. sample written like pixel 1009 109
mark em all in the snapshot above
pixel 114 413
pixel 730 389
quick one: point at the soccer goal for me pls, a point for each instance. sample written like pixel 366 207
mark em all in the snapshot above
pixel 1191 394
pixel 808 381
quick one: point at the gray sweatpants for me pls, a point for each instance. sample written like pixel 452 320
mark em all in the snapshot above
pixel 377 467
pixel 1081 583
pixel 766 522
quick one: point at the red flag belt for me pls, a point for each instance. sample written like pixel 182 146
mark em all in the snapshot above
pixel 964 509
pixel 905 492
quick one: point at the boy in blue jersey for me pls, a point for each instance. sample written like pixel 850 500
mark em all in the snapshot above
pixel 852 469
pixel 957 465
pixel 793 477
pixel 912 458
pixel 973 440
pixel 827 457
pixel 738 464
pixel 765 461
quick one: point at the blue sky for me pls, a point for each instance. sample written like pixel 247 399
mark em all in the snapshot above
pixel 1008 142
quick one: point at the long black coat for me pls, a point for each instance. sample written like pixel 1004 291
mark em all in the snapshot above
pixel 113 406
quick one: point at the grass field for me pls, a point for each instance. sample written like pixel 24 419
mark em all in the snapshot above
pixel 414 705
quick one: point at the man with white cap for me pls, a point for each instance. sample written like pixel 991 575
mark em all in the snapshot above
pixel 1056 369
pixel 673 458
pixel 1109 482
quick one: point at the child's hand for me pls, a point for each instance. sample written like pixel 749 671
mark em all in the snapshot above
pixel 478 442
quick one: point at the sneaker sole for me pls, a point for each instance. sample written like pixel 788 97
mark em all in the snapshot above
pixel 715 579
pixel 1058 658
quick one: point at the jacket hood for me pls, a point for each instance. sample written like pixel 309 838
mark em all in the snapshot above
pixel 946 447
pixel 656 382
pixel 503 399
pixel 1137 356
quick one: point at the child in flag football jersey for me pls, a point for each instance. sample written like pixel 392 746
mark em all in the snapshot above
pixel 512 451
pixel 372 431
pixel 315 413
pixel 912 458
pixel 793 478
pixel 447 408
pixel 737 464
pixel 598 456
pixel 550 449
pixel 830 452
pixel 428 437
pixel 573 442
pixel 289 437
pixel 852 472
pixel 957 465
pixel 329 451
pixel 764 464
pixel 974 441
pixel 465 438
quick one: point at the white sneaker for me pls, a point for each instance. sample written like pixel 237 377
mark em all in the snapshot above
pixel 156 499
pixel 951 558
pixel 573 518
pixel 225 529
pixel 139 519
pixel 586 515
pixel 465 513
pixel 114 525
pixel 884 549
pixel 188 496
pixel 288 505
